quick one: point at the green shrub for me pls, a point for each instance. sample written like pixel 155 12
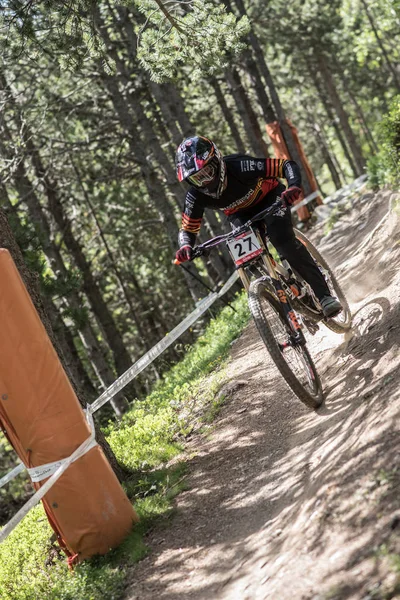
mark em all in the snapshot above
pixel 27 574
pixel 385 166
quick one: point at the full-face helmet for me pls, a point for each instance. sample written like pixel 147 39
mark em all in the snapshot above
pixel 200 163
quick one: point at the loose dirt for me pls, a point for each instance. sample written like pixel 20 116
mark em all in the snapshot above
pixel 285 503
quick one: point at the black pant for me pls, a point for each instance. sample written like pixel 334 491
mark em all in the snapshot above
pixel 280 232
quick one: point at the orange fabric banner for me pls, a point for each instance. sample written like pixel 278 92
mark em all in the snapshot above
pixel 274 132
pixel 44 422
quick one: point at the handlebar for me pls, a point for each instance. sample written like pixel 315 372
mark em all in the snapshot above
pixel 199 250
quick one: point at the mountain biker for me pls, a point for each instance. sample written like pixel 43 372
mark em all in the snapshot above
pixel 242 186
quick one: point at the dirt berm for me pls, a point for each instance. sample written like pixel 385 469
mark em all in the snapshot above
pixel 289 504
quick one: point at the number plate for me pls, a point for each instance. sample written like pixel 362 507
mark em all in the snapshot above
pixel 244 247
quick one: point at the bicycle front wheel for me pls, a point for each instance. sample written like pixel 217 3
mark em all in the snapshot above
pixel 294 362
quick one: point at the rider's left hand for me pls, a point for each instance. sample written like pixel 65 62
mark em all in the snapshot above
pixel 291 194
pixel 184 254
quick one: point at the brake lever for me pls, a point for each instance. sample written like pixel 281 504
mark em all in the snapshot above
pixel 197 252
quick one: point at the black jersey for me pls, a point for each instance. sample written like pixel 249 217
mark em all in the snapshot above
pixel 249 180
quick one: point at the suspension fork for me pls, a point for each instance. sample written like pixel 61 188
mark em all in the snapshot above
pixel 297 334
pixel 244 278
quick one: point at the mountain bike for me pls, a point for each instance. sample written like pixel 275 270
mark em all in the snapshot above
pixel 282 304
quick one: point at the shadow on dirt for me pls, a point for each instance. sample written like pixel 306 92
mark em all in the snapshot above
pixel 317 483
pixel 369 213
pixel 279 482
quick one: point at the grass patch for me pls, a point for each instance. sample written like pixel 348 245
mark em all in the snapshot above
pixel 214 408
pixel 388 587
pixel 30 568
pixel 27 574
pixel 150 432
pixel 147 437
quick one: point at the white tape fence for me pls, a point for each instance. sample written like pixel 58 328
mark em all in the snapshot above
pixel 344 192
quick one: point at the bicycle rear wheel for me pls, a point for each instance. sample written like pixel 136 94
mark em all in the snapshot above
pixel 294 362
pixel 342 322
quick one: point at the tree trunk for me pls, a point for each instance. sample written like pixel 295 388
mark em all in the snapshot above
pixel 112 261
pixel 246 113
pixel 255 77
pixel 160 94
pixel 340 111
pixel 276 103
pixel 338 166
pixel 56 208
pixel 332 120
pixel 178 108
pixel 324 148
pixel 153 185
pixel 254 73
pixel 170 94
pixel 99 307
pixel 390 65
pixel 28 196
pixel 360 113
pixel 66 341
pixel 229 118
pixel 327 158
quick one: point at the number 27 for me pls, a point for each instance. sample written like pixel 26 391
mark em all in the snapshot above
pixel 239 247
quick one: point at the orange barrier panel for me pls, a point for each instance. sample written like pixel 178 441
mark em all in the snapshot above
pixel 275 134
pixel 44 422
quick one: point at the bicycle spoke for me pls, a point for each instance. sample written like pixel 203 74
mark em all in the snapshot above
pixel 293 355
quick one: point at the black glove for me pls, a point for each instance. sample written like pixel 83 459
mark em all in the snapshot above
pixel 184 254
pixel 290 195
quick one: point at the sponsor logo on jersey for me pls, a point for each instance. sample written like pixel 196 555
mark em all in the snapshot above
pixel 190 201
pixel 247 165
pixel 289 170
pixel 240 201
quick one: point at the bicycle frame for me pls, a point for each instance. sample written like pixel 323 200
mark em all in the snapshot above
pixel 269 267
pixel 272 269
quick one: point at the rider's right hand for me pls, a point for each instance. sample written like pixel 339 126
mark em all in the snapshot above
pixel 290 195
pixel 184 254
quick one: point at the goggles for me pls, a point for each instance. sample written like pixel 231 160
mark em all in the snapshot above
pixel 204 176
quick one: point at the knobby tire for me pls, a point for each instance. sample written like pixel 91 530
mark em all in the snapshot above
pixel 258 291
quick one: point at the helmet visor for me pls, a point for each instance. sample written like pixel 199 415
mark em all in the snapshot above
pixel 204 177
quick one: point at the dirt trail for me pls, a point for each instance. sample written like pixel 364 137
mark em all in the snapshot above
pixel 285 503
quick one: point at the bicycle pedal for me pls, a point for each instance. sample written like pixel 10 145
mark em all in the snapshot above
pixel 333 315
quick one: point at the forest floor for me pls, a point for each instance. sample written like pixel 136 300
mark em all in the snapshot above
pixel 283 502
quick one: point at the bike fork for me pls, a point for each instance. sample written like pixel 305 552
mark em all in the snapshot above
pixel 297 336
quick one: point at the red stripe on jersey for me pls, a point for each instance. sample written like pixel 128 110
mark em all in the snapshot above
pixel 190 225
pixel 190 220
